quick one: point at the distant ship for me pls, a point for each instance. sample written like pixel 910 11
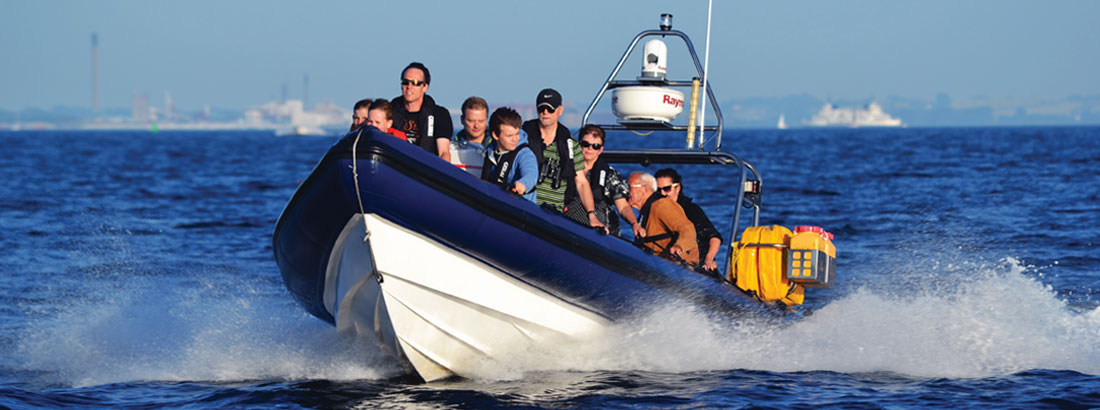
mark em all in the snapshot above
pixel 300 130
pixel 869 116
pixel 782 123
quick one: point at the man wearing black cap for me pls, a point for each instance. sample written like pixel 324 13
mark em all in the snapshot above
pixel 562 185
pixel 415 113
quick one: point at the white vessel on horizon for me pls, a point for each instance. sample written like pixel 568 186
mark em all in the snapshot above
pixel 870 116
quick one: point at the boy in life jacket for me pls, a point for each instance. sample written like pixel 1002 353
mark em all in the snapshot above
pixel 509 162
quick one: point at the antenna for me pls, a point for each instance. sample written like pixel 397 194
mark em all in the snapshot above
pixel 706 70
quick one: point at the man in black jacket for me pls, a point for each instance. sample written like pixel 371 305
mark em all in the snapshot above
pixel 416 114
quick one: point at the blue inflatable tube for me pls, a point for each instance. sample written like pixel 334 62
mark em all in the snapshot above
pixel 409 186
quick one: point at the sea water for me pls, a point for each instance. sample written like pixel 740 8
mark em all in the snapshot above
pixel 137 271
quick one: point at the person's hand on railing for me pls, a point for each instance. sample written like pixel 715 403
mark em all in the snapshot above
pixel 593 221
pixel 710 264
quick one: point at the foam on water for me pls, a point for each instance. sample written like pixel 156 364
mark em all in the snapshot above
pixel 991 321
pixel 998 321
pixel 158 330
pixel 210 325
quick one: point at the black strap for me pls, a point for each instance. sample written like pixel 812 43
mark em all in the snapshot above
pixel 654 238
pixel 564 156
pixel 598 179
pixel 497 172
pixel 640 242
pixel 681 261
pixel 644 211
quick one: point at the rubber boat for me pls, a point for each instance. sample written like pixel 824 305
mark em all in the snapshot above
pixel 444 271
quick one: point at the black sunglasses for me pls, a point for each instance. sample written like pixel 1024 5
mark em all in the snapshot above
pixel 586 144
pixel 546 108
pixel 414 83
pixel 667 188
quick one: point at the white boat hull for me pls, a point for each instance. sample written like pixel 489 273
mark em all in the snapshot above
pixel 438 310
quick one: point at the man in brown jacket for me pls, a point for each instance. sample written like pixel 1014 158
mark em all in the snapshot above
pixel 670 231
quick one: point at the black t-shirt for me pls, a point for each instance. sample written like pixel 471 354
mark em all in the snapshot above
pixel 423 127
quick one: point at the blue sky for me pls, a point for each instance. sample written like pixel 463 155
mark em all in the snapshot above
pixel 233 54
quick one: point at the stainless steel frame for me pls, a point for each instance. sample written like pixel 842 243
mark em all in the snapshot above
pixel 691 154
pixel 612 83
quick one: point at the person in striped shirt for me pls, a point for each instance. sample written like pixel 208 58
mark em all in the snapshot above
pixel 562 185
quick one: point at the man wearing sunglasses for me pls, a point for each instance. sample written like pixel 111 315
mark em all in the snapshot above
pixel 416 114
pixel 562 186
pixel 671 235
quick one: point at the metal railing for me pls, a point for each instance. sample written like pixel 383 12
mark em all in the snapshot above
pixel 612 83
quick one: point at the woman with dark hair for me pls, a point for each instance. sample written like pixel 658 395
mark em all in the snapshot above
pixel 610 191
pixel 671 185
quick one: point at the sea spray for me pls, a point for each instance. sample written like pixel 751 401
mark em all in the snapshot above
pixel 124 319
pixel 128 322
pixel 992 321
pixel 154 329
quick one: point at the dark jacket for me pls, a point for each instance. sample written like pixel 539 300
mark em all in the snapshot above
pixel 607 185
pixel 562 135
pixel 704 229
pixel 423 127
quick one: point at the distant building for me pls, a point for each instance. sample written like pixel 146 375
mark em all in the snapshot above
pixel 139 107
pixel 169 107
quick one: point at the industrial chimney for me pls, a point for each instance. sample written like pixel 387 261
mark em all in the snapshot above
pixel 305 91
pixel 95 73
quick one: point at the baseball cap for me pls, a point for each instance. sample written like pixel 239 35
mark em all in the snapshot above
pixel 548 96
